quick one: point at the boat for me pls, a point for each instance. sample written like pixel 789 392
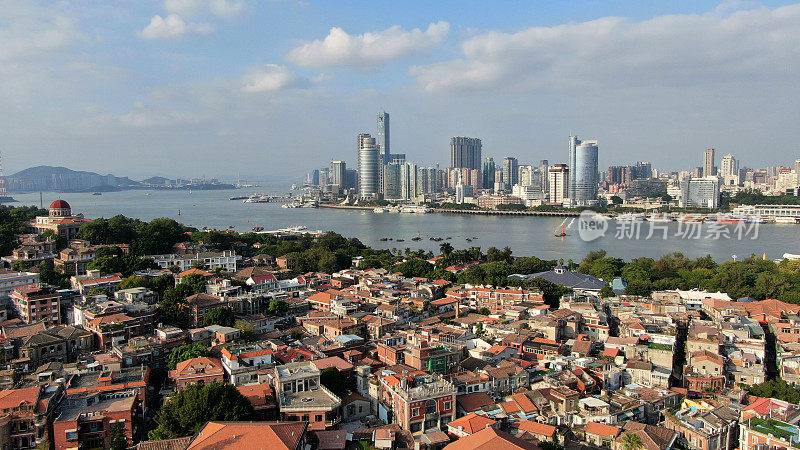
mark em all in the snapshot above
pixel 659 218
pixel 383 239
pixel 562 233
pixel 147 193
pixel 400 240
pixel 257 229
pixel 294 187
pixel 97 193
pixel 469 240
pixel 380 210
pixel 238 197
pixel 792 220
pixel 415 209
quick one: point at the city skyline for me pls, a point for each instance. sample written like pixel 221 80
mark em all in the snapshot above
pixel 168 81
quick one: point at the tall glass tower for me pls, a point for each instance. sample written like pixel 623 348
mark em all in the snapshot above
pixel 383 135
pixel 368 166
pixel 583 173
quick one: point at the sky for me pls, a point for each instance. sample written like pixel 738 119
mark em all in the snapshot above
pixel 274 88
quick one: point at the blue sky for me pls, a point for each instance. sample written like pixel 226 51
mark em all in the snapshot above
pixel 274 88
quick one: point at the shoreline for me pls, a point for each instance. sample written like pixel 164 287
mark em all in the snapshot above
pixel 469 211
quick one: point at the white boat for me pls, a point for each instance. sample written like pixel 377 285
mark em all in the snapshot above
pixel 659 218
pixel 415 209
pixel 380 210
pixel 792 220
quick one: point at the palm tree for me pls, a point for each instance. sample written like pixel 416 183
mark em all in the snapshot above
pixel 632 442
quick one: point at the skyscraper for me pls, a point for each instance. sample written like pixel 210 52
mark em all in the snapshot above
pixel 545 169
pixel 583 171
pixel 510 171
pixel 488 172
pixel 338 171
pixel 383 135
pixel 465 152
pixel 392 181
pixel 708 163
pixel 558 178
pixel 728 166
pixel 368 166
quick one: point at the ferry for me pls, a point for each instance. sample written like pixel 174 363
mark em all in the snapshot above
pixel 256 198
pixel 729 219
pixel 791 220
pixel 415 209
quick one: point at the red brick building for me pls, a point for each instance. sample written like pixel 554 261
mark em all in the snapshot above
pixel 37 303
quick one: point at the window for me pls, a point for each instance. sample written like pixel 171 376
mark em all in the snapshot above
pixel 318 418
pixel 72 435
pixel 415 412
pixel 430 406
pixel 447 406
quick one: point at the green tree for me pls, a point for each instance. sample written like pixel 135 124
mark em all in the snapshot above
pixel 118 439
pixel 332 379
pixel 414 268
pixel 778 389
pixel 133 282
pixel 278 307
pixel 220 316
pixel 248 330
pixel 195 282
pixel 190 409
pixel 484 311
pixel 184 352
pixel 606 292
pixel 632 442
pixel 445 249
pixel 616 200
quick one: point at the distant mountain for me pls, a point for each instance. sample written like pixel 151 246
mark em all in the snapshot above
pixel 62 179
pixel 49 178
pixel 157 181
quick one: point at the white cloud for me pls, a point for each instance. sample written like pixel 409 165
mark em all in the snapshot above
pixel 612 52
pixel 370 49
pixel 172 27
pixel 28 32
pixel 272 77
pixel 192 8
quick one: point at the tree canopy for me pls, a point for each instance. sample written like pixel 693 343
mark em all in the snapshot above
pixel 185 352
pixel 190 409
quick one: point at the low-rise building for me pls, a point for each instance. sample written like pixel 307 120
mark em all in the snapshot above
pixel 301 396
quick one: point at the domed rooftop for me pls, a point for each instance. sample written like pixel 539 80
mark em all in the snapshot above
pixel 59 204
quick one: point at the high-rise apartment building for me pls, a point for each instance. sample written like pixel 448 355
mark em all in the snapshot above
pixel 558 178
pixel 728 166
pixel 324 176
pixel 708 163
pixel 392 181
pixel 488 172
pixel 338 174
pixel 383 135
pixel 544 168
pixel 582 171
pixel 465 152
pixel 510 169
pixel 700 193
pixel 368 166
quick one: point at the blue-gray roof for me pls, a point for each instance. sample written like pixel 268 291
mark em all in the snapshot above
pixel 564 277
